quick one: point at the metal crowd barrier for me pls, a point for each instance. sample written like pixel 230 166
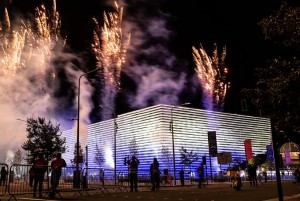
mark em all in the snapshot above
pixel 18 182
pixel 103 180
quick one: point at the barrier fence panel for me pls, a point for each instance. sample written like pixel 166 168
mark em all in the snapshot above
pixel 103 180
pixel 20 181
pixel 144 181
pixel 3 178
pixel 66 181
pixel 93 178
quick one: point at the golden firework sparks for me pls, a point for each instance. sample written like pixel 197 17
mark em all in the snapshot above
pixel 19 48
pixel 12 43
pixel 44 40
pixel 109 47
pixel 212 75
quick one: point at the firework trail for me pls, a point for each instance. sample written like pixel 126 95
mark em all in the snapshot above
pixel 212 75
pixel 37 42
pixel 25 66
pixel 12 43
pixel 42 40
pixel 109 47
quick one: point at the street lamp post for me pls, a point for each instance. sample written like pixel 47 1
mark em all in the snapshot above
pixel 115 141
pixel 76 181
pixel 173 144
pixel 261 86
pixel 21 120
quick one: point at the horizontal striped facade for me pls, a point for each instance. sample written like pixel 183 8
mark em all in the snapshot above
pixel 147 132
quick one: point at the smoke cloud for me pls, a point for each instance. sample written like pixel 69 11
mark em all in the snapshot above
pixel 150 63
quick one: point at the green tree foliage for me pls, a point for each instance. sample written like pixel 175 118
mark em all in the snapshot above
pixel 187 157
pixel 43 136
pixel 277 92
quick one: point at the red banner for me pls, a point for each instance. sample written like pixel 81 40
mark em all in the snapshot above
pixel 248 149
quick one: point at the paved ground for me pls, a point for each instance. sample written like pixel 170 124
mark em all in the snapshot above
pixel 212 192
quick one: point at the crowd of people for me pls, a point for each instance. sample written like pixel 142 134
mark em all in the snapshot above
pixel 40 167
pixel 155 174
pixel 37 174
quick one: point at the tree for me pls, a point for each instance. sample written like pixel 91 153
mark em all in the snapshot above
pixel 260 159
pixel 166 155
pixel 99 158
pixel 81 156
pixel 277 92
pixel 282 27
pixel 133 149
pixel 43 136
pixel 187 158
pixel 18 157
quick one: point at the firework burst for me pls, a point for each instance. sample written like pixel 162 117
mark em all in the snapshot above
pixel 12 43
pixel 212 75
pixel 109 47
pixel 43 41
pixel 31 45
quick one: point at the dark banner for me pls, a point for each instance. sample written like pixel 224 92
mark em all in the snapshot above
pixel 212 143
pixel 224 158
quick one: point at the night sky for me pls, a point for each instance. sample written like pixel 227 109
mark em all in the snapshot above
pixel 188 23
pixel 159 64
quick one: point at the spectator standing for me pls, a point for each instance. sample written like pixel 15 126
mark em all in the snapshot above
pixel 3 176
pixel 265 176
pixel 31 176
pixel 56 169
pixel 181 175
pixel 155 174
pixel 40 167
pixel 237 182
pixel 201 175
pixel 133 172
pixel 252 175
pixel 297 175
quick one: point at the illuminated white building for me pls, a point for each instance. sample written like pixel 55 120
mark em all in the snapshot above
pixel 147 132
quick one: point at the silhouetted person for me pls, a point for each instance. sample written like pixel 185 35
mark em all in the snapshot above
pixel 297 175
pixel 56 168
pixel 154 172
pixel 265 176
pixel 3 176
pixel 31 176
pixel 201 175
pixel 181 175
pixel 252 175
pixel 40 167
pixel 237 182
pixel 133 172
